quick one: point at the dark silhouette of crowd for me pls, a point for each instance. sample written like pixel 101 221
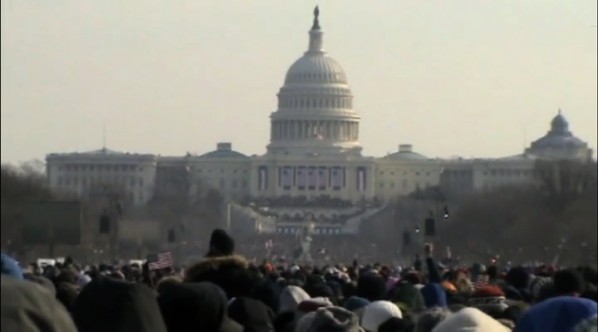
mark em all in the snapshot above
pixel 224 292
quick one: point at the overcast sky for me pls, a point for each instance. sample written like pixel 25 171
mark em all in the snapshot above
pixel 475 78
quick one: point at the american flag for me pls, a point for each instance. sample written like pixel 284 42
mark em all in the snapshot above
pixel 160 260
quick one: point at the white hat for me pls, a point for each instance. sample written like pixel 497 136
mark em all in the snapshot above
pixel 290 298
pixel 470 319
pixel 377 313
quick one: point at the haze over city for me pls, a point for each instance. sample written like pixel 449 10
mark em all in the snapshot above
pixel 468 78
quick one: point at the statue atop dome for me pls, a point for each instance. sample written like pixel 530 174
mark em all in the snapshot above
pixel 316 20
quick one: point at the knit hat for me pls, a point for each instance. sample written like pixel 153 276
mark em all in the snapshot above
pixel 330 319
pixel 487 294
pixel 221 244
pixel 290 298
pixel 408 296
pixel 562 313
pixel 371 286
pixel 490 299
pixel 355 302
pixel 10 267
pixel 470 320
pixel 377 313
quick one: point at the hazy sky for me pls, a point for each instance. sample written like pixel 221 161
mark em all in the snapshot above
pixel 459 77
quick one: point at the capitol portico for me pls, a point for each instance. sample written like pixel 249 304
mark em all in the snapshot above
pixel 314 151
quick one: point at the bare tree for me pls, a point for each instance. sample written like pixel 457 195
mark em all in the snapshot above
pixel 563 181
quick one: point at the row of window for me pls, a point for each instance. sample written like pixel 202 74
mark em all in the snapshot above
pixel 417 173
pixel 508 172
pixel 494 172
pixel 331 77
pixel 232 184
pixel 404 185
pixel 222 170
pixel 341 103
pixel 322 231
pixel 75 181
pixel 100 168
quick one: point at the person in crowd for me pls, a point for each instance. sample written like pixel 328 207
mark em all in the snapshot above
pixel 28 306
pixel 225 292
pixel 222 267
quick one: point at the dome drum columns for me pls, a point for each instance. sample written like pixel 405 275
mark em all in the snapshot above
pixel 340 130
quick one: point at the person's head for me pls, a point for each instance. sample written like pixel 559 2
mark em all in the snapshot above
pixel 493 272
pixel 568 282
pixel 428 319
pixel 221 244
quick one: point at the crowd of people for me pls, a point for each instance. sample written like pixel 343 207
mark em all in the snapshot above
pixel 224 292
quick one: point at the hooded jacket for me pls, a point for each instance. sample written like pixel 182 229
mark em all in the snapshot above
pixel 27 306
pixel 230 273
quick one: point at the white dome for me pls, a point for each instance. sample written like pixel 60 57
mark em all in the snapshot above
pixel 315 113
pixel 315 68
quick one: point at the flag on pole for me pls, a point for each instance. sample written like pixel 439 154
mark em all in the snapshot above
pixel 160 260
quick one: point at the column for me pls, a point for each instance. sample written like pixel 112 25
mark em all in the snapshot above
pixel 305 129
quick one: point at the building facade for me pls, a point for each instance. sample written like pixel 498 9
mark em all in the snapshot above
pixel 314 151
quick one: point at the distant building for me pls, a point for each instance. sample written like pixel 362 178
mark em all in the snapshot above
pixel 314 151
pixel 560 143
pixel 94 172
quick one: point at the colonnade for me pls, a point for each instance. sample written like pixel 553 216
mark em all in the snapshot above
pixel 312 129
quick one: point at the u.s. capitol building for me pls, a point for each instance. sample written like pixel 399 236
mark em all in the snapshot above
pixel 314 151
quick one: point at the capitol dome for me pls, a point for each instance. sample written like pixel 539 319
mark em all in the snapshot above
pixel 315 113
pixel 315 68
